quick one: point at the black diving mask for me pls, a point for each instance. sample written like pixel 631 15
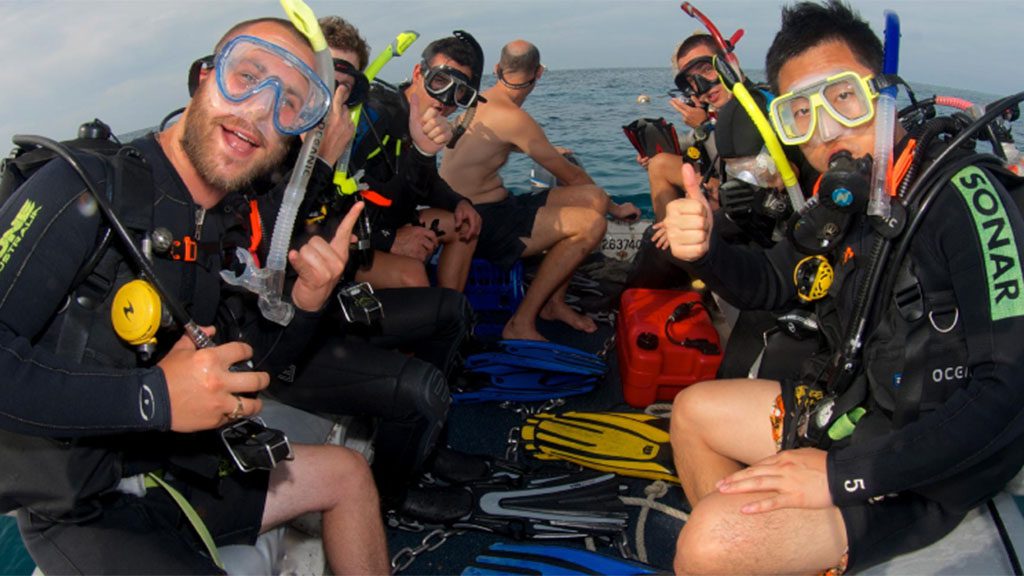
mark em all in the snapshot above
pixel 449 86
pixel 698 77
pixel 345 73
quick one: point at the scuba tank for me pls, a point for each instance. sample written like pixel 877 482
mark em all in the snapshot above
pixel 26 160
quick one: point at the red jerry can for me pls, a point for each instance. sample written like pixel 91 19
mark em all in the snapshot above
pixel 665 341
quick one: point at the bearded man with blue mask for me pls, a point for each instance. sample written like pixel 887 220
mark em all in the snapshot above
pixel 138 432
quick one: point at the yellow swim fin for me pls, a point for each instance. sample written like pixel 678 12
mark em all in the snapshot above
pixel 630 444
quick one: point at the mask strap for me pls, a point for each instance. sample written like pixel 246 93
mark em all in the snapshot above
pixel 204 63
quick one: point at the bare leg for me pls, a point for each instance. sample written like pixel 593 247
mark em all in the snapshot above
pixel 587 196
pixel 664 173
pixel 394 271
pixel 718 427
pixel 337 482
pixel 457 255
pixel 719 539
pixel 569 234
pixel 556 309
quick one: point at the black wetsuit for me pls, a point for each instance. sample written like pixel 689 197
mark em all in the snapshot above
pixel 353 369
pixel 966 442
pixel 394 167
pixel 116 407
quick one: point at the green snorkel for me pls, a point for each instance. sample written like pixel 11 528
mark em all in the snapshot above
pixel 734 84
pixel 346 184
pixel 268 282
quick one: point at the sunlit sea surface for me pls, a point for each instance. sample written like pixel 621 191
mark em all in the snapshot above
pixel 583 110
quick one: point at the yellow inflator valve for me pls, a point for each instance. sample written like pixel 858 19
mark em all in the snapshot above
pixel 813 277
pixel 136 313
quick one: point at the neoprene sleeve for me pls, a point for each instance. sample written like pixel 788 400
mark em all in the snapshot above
pixel 438 193
pixel 47 235
pixel 747 277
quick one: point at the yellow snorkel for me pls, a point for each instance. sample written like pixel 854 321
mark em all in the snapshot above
pixel 304 20
pixel 734 84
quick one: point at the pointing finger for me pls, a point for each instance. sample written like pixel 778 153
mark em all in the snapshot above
pixel 343 235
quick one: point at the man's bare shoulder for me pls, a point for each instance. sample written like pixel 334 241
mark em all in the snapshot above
pixel 505 119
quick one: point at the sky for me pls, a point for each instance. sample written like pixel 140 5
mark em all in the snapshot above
pixel 126 62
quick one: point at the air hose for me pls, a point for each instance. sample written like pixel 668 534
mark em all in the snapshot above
pixel 954 102
pixel 268 282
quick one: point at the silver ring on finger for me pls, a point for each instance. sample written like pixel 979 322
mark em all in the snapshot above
pixel 239 408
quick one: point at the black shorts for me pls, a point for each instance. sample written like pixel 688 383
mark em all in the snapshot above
pixel 876 531
pixel 150 535
pixel 504 224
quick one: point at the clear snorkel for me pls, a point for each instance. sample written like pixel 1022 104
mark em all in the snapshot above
pixel 732 78
pixel 268 282
pixel 885 123
pixel 771 141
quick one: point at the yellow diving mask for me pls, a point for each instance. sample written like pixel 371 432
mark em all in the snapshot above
pixel 847 97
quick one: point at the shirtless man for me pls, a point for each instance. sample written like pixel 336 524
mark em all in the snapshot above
pixel 568 221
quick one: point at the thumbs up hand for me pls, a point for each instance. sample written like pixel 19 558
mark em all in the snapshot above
pixel 686 229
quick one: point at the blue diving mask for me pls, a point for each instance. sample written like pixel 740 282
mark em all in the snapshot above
pixel 248 66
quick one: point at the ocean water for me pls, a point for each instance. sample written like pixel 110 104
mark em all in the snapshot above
pixel 13 558
pixel 583 110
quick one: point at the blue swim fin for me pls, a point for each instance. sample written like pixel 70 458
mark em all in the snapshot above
pixel 537 356
pixel 540 560
pixel 520 386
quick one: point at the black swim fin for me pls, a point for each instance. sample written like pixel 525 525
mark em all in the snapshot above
pixel 563 505
pixel 541 560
